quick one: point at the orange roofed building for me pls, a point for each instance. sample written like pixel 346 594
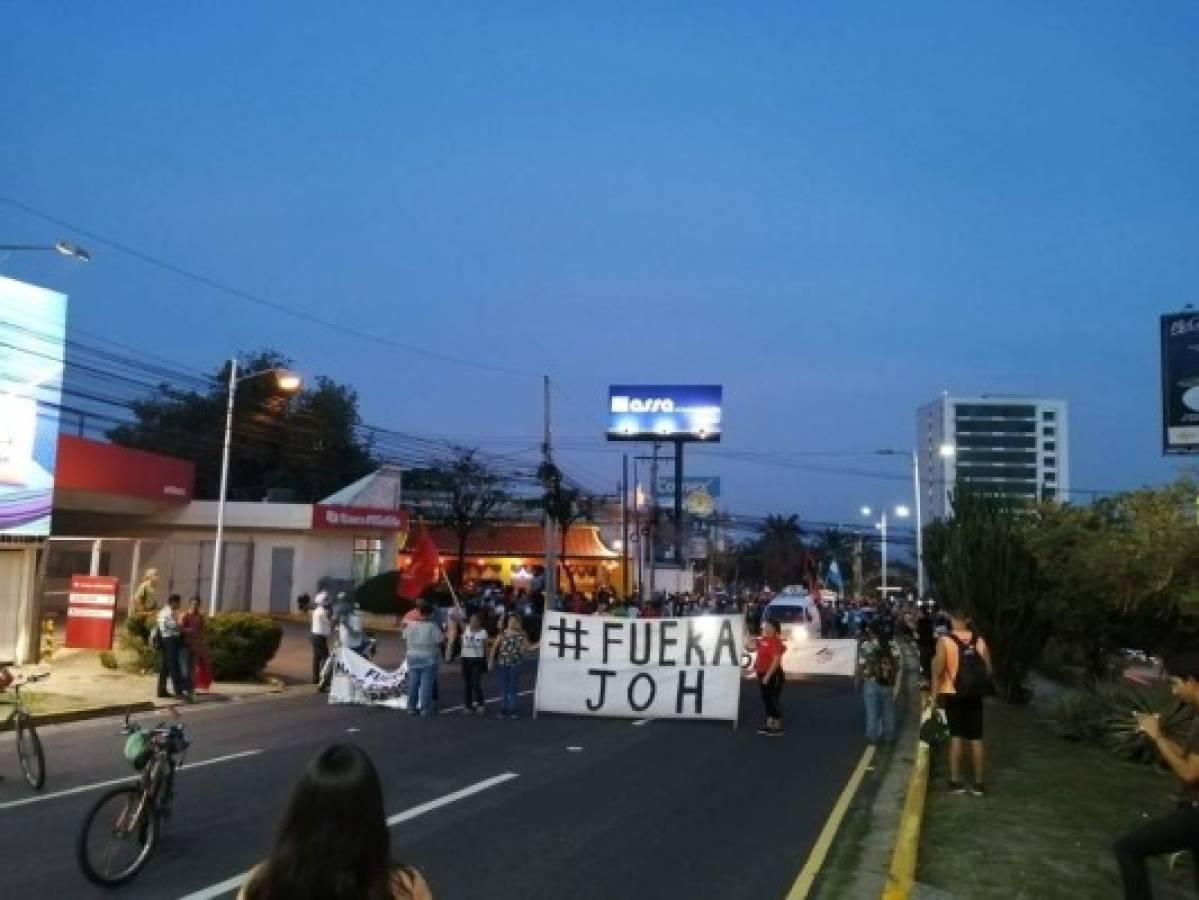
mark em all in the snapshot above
pixel 513 554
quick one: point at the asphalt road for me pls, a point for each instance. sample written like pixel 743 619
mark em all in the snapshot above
pixel 552 807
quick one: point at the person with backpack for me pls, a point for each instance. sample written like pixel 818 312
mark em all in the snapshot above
pixel 877 673
pixel 961 679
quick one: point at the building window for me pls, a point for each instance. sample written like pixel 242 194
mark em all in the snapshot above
pixel 368 556
pixel 1049 431
pixel 1048 493
pixel 1050 461
pixel 1051 446
pixel 1049 416
pixel 1051 476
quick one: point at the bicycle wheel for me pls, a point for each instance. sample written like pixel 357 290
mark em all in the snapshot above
pixel 29 751
pixel 118 835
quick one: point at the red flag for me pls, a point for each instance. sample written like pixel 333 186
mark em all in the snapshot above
pixel 423 571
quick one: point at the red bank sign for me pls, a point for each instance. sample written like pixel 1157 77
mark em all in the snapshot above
pixel 91 605
pixel 335 518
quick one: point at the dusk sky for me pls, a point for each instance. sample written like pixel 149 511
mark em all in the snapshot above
pixel 836 210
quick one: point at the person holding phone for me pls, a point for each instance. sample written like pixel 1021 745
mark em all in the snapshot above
pixel 1178 830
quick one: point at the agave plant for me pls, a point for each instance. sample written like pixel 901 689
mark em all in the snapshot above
pixel 1079 716
pixel 1122 699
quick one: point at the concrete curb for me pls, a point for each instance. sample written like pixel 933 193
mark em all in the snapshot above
pixel 901 877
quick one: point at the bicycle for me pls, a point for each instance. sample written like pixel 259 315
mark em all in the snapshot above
pixel 29 745
pixel 122 828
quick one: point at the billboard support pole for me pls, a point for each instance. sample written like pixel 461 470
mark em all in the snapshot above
pixel 551 543
pixel 678 503
pixel 624 526
pixel 653 523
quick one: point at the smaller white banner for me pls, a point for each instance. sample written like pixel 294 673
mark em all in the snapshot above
pixel 91 599
pixel 84 612
pixel 359 681
pixel 828 657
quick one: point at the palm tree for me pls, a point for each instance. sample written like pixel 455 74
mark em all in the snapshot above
pixel 783 551
pixel 834 545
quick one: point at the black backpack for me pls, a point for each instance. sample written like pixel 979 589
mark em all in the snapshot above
pixel 972 681
pixel 886 668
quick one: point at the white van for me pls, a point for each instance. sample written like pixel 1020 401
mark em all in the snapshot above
pixel 797 614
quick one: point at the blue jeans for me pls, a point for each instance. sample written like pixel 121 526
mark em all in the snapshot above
pixel 421 674
pixel 880 711
pixel 509 681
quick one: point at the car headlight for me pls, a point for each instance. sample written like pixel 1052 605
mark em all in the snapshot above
pixel 800 632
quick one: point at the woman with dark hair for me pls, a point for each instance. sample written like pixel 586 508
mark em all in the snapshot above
pixel 876 673
pixel 333 843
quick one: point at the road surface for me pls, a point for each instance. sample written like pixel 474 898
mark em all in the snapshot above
pixel 486 808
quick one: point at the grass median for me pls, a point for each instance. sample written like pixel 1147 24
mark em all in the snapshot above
pixel 1045 829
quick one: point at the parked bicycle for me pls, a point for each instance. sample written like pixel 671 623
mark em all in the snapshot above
pixel 29 745
pixel 122 828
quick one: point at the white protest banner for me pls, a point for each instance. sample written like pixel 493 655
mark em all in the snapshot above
pixel 641 668
pixel 833 657
pixel 358 680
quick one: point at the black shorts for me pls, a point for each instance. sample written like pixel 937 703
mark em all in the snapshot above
pixel 964 717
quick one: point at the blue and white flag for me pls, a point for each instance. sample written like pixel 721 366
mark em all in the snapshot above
pixel 834 576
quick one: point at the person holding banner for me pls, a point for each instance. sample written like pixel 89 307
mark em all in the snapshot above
pixel 768 665
pixel 508 654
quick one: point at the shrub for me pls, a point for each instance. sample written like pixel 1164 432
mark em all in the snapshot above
pixel 136 654
pixel 1122 698
pixel 1103 716
pixel 1079 716
pixel 241 644
pixel 108 659
pixel 378 595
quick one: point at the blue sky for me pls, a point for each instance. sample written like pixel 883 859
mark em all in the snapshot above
pixel 836 210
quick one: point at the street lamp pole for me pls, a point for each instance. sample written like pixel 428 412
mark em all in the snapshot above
pixel 220 508
pixel 288 383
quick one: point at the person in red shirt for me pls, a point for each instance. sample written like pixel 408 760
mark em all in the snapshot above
pixel 768 664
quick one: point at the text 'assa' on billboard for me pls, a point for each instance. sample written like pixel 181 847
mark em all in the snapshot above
pixel 676 412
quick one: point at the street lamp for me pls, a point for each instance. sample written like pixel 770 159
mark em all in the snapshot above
pixel 945 451
pixel 286 382
pixel 902 512
pixel 63 247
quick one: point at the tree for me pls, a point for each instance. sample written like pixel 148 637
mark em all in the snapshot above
pixel 474 494
pixel 564 505
pixel 307 445
pixel 834 545
pixel 784 556
pixel 979 564
pixel 1123 572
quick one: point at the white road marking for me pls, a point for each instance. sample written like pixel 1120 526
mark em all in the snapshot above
pixel 575 749
pixel 353 730
pixel 232 884
pixel 641 722
pixel 127 779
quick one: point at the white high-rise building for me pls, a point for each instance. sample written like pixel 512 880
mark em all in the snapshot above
pixel 1013 446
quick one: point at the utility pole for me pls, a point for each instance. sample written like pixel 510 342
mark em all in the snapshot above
pixel 653 521
pixel 551 544
pixel 857 568
pixel 624 526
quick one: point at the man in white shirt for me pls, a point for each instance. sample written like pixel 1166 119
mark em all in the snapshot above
pixel 170 645
pixel 322 627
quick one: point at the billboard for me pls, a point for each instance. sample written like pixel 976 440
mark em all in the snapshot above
pixel 664 412
pixel 32 329
pixel 1180 382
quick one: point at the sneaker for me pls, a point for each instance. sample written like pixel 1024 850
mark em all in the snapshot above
pixel 765 731
pixel 956 787
pixel 977 790
pixel 775 732
pixel 479 710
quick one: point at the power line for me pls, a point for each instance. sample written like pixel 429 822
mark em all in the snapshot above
pixel 258 299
